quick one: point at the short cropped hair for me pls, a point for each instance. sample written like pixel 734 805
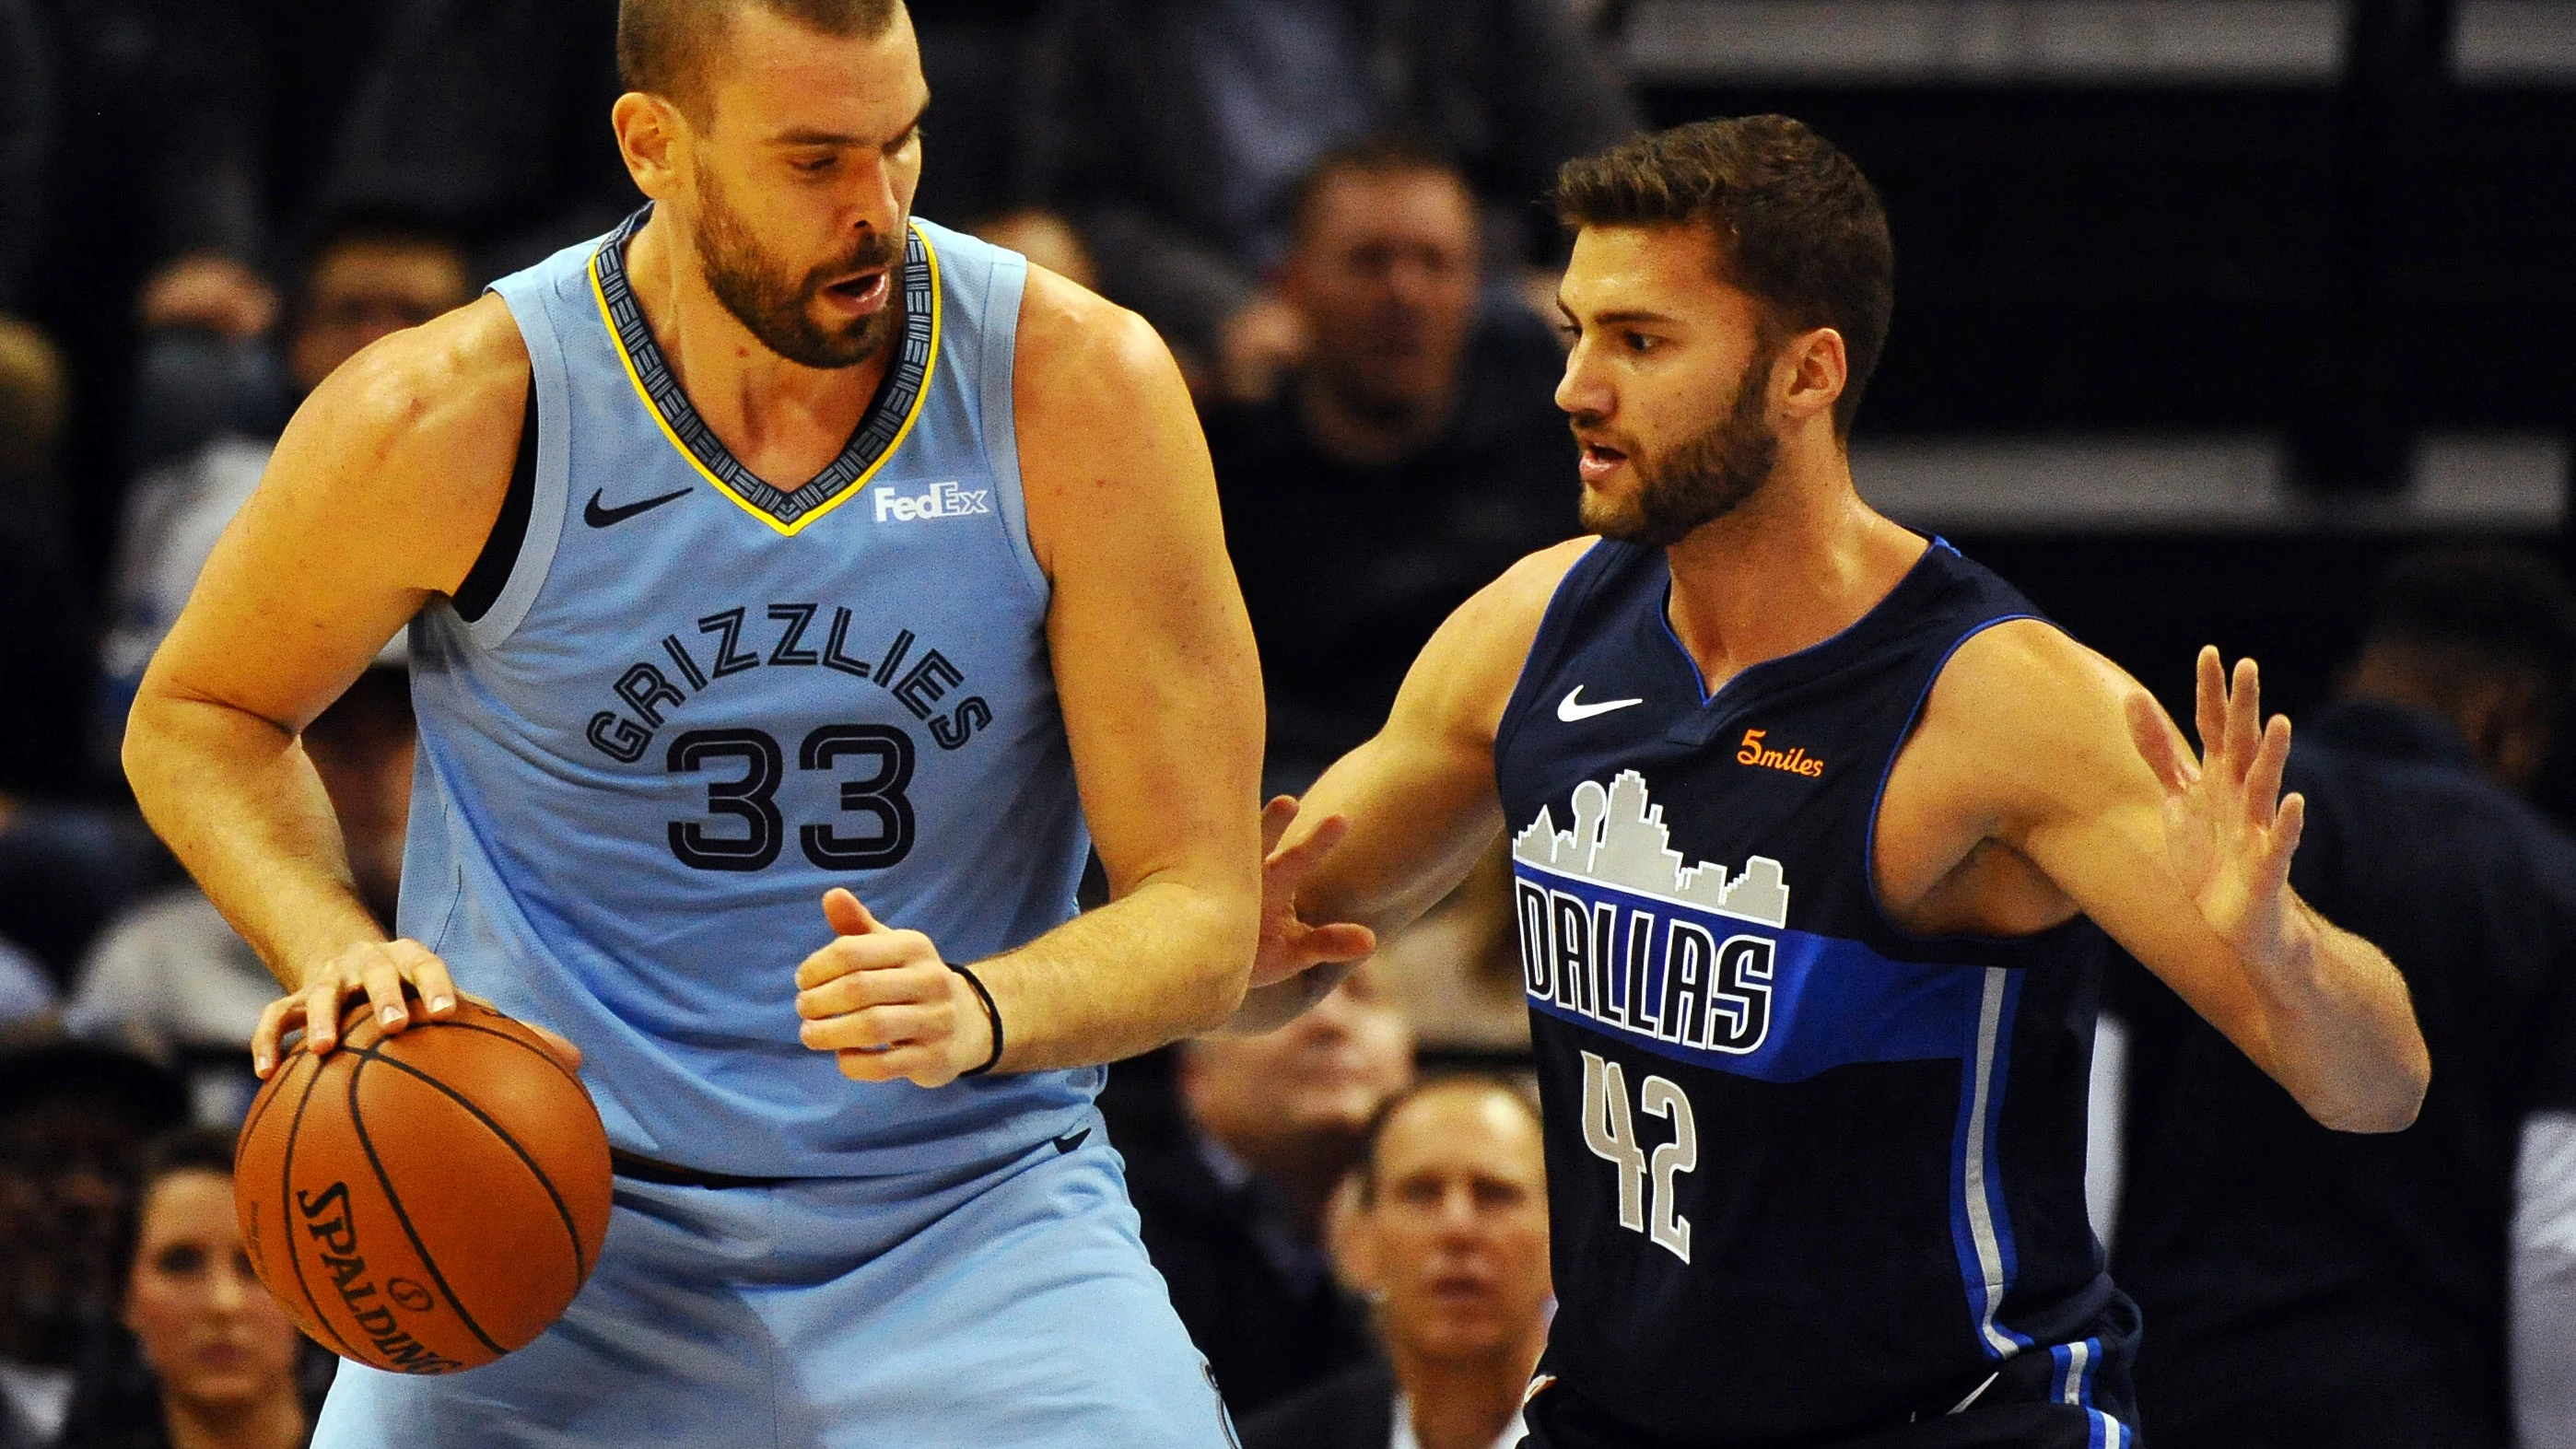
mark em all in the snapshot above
pixel 1382 153
pixel 1797 224
pixel 663 45
pixel 2483 607
pixel 1394 1106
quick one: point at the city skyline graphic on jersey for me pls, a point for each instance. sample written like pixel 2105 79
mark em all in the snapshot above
pixel 1619 840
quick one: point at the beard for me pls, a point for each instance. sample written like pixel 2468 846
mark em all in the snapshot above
pixel 777 306
pixel 1700 480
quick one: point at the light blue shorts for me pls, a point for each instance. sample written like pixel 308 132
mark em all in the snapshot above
pixel 996 1306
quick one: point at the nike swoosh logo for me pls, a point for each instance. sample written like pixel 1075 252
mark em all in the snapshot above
pixel 1072 1140
pixel 1573 710
pixel 598 517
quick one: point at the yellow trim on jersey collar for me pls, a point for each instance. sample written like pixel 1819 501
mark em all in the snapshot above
pixel 929 369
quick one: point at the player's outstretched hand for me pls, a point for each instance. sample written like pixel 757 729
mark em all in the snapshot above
pixel 886 1004
pixel 381 971
pixel 1289 946
pixel 2229 830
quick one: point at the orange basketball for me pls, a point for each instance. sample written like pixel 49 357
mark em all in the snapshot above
pixel 425 1202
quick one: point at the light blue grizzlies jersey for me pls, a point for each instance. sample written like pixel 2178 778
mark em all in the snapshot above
pixel 701 701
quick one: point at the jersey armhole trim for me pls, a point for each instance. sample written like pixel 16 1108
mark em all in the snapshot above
pixel 492 568
pixel 998 403
pixel 548 465
pixel 1887 772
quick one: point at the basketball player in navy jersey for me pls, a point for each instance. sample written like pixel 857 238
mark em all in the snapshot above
pixel 779 542
pixel 1807 816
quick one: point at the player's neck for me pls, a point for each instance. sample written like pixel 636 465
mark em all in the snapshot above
pixel 786 422
pixel 1800 562
pixel 1354 432
pixel 1462 1403
pixel 273 1422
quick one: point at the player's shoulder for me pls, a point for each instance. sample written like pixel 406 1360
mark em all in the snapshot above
pixel 425 420
pixel 469 364
pixel 1473 663
pixel 1072 338
pixel 2024 701
pixel 1511 608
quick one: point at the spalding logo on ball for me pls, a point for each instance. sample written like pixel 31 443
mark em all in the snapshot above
pixel 426 1202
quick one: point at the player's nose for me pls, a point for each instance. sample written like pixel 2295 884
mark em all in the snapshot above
pixel 1583 392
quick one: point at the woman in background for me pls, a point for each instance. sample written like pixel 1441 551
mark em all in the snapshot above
pixel 217 1364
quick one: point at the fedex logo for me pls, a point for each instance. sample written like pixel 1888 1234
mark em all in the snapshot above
pixel 936 500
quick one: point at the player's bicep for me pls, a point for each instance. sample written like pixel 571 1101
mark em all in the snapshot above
pixel 1154 659
pixel 1420 795
pixel 380 493
pixel 2088 811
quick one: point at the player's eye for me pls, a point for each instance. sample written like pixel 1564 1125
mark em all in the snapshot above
pixel 817 165
pixel 1640 343
pixel 181 1260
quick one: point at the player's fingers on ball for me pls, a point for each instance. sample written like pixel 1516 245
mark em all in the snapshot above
pixel 320 1003
pixel 383 980
pixel 428 975
pixel 265 1038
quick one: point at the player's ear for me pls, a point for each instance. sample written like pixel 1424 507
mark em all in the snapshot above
pixel 1819 367
pixel 648 128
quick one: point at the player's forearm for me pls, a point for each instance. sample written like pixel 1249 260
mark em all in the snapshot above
pixel 238 802
pixel 1168 960
pixel 2341 1030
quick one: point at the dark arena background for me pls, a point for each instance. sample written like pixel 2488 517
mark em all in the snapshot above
pixel 2209 315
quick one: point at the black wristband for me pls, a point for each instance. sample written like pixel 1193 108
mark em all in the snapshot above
pixel 992 1013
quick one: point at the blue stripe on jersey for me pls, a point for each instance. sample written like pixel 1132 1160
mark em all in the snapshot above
pixel 1729 994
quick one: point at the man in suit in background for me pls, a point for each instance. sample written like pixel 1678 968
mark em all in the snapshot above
pixel 1449 1241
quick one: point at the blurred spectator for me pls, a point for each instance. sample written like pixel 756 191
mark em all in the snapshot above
pixel 369 274
pixel 2309 1287
pixel 1043 237
pixel 1456 973
pixel 41 653
pixel 210 1361
pixel 1449 1241
pixel 1174 132
pixel 153 212
pixel 28 121
pixel 492 117
pixel 26 988
pixel 1415 455
pixel 73 1121
pixel 172 980
pixel 1233 1206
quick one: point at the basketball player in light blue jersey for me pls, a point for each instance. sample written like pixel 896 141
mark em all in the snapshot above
pixel 777 548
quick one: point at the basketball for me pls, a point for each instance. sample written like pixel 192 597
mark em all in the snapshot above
pixel 426 1202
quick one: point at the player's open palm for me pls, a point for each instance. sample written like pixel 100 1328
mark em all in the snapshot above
pixel 1289 945
pixel 2229 830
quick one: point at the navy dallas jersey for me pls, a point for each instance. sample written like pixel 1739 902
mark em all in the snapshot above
pixel 1812 1177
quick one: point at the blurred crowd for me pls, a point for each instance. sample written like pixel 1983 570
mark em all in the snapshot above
pixel 1328 208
